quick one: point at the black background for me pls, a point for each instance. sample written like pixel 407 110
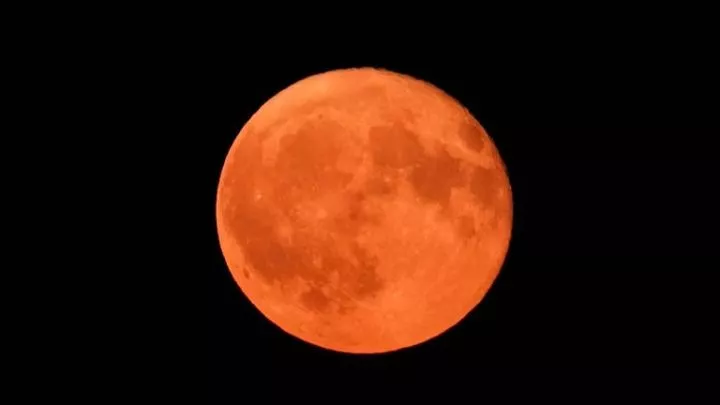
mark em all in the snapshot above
pixel 610 157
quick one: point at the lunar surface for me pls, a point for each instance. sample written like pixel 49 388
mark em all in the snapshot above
pixel 364 211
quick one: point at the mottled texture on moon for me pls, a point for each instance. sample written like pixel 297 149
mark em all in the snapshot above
pixel 364 211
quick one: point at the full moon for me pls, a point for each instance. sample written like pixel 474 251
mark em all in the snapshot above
pixel 364 211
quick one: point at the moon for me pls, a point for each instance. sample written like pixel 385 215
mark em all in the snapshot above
pixel 364 211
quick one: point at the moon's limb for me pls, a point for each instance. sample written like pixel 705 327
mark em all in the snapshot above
pixel 364 211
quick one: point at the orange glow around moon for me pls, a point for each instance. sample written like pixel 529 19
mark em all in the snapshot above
pixel 364 211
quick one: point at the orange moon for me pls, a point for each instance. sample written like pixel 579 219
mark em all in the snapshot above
pixel 364 211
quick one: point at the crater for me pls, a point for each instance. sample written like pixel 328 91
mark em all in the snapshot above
pixel 355 215
pixel 465 227
pixel 314 299
pixel 472 135
pixel 382 182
